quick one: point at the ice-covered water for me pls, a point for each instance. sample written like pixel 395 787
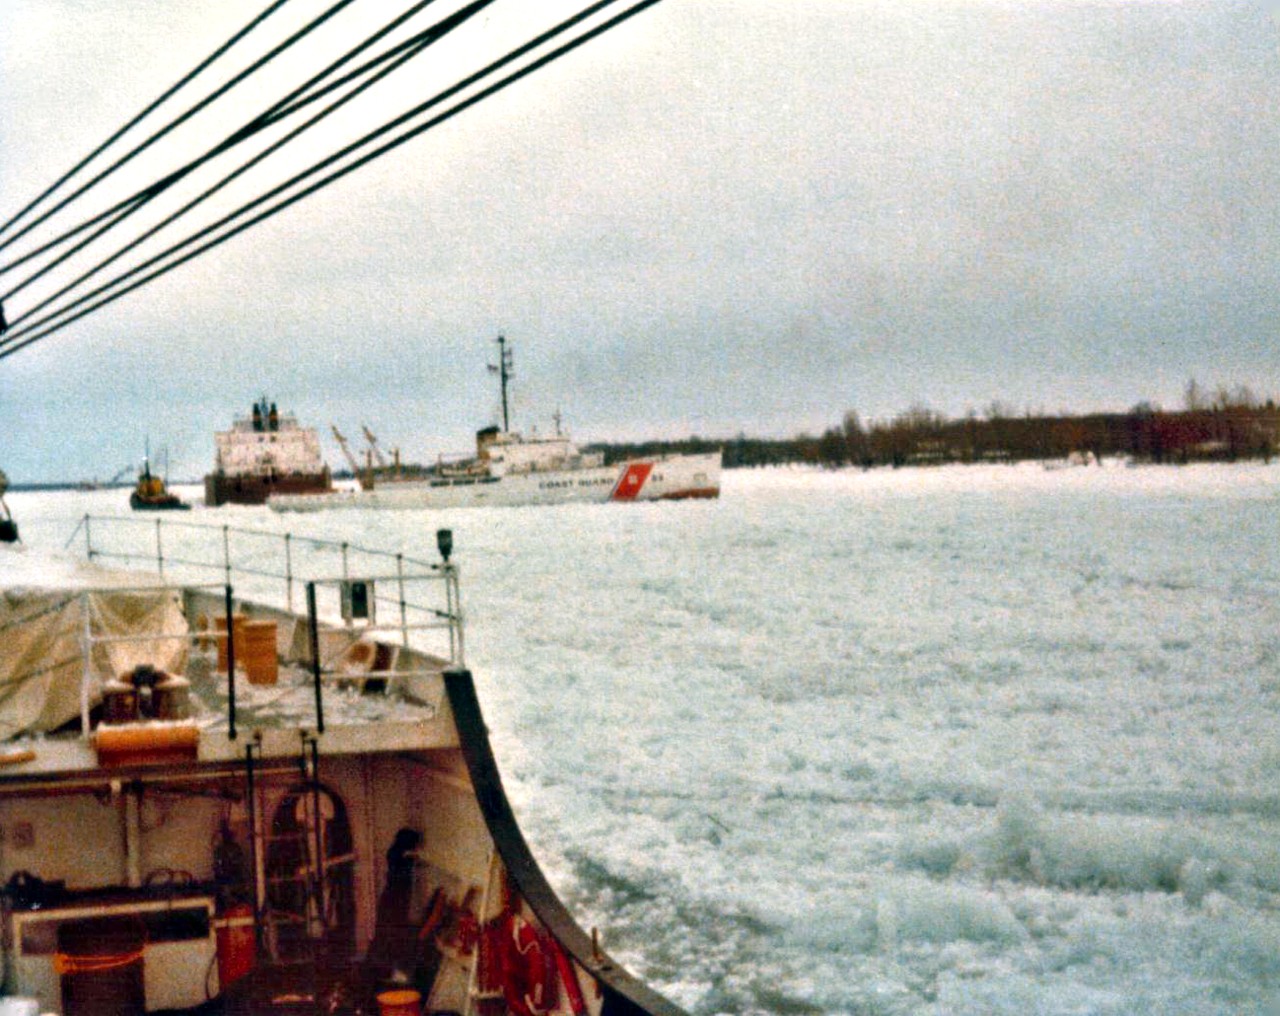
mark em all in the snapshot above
pixel 967 740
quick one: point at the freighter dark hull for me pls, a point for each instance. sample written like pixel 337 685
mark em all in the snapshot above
pixel 222 489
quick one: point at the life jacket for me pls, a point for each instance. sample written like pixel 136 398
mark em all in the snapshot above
pixel 529 969
pixel 518 959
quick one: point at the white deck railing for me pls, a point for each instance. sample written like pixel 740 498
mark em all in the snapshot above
pixel 179 551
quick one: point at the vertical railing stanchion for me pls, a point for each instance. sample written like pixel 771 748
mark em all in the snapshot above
pixel 88 540
pixel 314 619
pixel 251 806
pixel 453 597
pixel 404 616
pixel 231 670
pixel 457 618
pixel 159 549
pixel 86 643
pixel 452 600
pixel 226 553
pixel 349 617
pixel 288 571
pixel 448 609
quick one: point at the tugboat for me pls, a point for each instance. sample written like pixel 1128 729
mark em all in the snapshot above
pixel 152 494
pixel 511 469
pixel 265 453
pixel 215 802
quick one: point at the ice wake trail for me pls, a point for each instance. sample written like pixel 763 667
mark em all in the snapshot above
pixel 1137 803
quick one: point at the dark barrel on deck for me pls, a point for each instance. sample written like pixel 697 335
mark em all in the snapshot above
pixel 100 961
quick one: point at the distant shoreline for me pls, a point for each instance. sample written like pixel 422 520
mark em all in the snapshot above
pixel 1049 462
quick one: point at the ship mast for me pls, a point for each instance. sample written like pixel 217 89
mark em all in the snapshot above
pixel 503 370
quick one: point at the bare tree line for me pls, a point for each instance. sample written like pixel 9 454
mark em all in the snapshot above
pixel 1225 424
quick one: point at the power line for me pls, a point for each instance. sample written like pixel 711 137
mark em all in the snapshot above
pixel 275 113
pixel 174 124
pixel 391 60
pixel 103 295
pixel 172 90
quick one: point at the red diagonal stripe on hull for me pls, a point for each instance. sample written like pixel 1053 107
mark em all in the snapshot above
pixel 632 479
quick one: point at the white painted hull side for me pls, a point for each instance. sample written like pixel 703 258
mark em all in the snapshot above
pixel 671 478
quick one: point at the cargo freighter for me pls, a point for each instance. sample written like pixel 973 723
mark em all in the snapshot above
pixel 265 453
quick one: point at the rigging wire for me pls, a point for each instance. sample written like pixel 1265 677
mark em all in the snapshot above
pixel 268 117
pixel 155 104
pixel 394 58
pixel 173 125
pixel 34 331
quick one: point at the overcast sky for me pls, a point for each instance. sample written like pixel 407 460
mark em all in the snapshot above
pixel 725 216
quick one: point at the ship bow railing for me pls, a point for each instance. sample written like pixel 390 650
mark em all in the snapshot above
pixel 347 592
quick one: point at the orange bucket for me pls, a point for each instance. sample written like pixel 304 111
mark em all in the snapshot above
pixel 256 650
pixel 220 622
pixel 402 1002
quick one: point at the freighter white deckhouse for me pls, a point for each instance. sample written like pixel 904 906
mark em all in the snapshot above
pixel 263 453
pixel 510 469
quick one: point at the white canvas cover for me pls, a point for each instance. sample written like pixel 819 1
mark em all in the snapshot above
pixel 41 648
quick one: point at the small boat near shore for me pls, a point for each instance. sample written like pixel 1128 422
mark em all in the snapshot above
pixel 215 801
pixel 509 469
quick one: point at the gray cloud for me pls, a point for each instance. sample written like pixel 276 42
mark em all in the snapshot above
pixel 745 215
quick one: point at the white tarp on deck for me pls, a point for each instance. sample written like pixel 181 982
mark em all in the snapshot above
pixel 42 663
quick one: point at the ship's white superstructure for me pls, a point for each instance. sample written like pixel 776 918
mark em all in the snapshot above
pixel 258 446
pixel 509 469
pixel 263 453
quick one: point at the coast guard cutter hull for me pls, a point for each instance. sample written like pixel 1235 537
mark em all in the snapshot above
pixel 656 479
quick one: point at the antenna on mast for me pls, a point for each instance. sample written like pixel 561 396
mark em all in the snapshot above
pixel 503 370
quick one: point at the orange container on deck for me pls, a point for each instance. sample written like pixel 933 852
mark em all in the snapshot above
pixel 256 651
pixel 145 743
pixel 402 1002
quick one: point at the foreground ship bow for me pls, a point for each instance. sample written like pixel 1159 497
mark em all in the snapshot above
pixel 214 803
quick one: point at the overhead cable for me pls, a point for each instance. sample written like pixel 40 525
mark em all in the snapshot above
pixel 184 117
pixel 158 265
pixel 390 61
pixel 167 94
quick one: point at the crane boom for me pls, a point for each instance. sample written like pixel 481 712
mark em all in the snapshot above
pixel 346 450
pixel 373 444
